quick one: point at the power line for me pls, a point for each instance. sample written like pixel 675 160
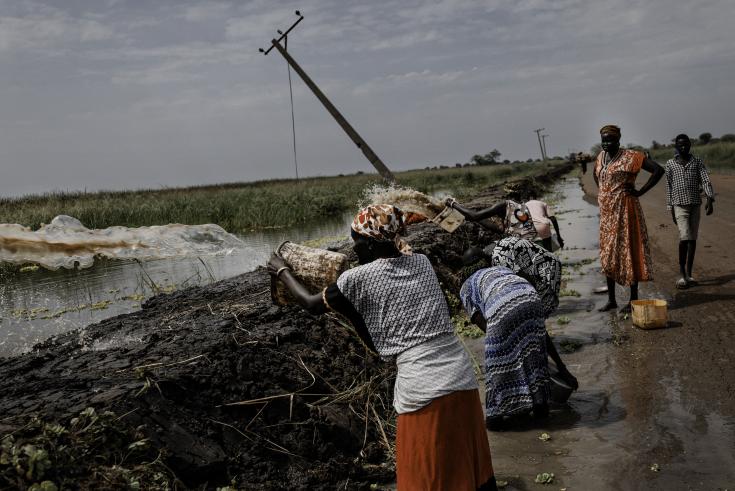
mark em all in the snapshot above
pixel 293 118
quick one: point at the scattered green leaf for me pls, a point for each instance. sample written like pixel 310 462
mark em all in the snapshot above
pixel 545 478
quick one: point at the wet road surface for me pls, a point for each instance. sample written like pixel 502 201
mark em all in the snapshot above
pixel 655 409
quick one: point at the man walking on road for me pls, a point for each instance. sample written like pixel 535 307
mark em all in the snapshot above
pixel 686 177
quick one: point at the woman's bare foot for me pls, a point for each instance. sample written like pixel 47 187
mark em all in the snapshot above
pixel 608 306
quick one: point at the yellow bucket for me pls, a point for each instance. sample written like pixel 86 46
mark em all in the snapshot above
pixel 649 314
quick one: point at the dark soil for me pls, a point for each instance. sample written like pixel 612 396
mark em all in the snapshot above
pixel 213 386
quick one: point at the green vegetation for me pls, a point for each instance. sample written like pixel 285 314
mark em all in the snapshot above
pixel 91 451
pixel 466 328
pixel 243 207
pixel 717 155
pixel 565 292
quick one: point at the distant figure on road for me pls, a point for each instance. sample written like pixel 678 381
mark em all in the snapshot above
pixel 582 158
pixel 686 177
pixel 625 256
pixel 396 305
pixel 529 220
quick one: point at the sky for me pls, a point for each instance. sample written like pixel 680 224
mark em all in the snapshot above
pixel 127 94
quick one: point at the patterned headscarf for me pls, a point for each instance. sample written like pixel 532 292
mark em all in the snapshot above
pixel 383 223
pixel 611 129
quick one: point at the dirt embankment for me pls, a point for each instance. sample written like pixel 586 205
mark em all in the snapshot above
pixel 213 386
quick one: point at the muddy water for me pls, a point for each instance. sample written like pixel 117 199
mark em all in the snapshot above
pixel 629 426
pixel 38 304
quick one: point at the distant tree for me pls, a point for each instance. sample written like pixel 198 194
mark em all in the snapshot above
pixel 705 138
pixel 529 160
pixel 728 137
pixel 506 161
pixel 487 159
pixel 655 145
pixel 458 165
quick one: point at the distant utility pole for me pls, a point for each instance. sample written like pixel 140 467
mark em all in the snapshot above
pixel 540 145
pixel 543 139
pixel 351 132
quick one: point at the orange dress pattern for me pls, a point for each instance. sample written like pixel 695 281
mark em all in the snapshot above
pixel 625 255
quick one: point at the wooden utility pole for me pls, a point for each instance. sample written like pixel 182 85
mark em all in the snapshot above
pixel 540 145
pixel 346 126
pixel 543 139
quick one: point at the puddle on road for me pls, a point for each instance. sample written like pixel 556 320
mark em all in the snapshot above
pixel 620 422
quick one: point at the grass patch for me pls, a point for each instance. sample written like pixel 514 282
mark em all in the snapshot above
pixel 568 292
pixel 244 207
pixel 569 346
pixel 716 156
pixel 465 328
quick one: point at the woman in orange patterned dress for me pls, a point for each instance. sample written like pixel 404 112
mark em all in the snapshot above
pixel 624 253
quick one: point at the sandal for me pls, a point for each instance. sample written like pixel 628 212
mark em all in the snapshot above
pixel 682 284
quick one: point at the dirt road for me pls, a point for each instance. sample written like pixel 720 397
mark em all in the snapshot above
pixel 655 409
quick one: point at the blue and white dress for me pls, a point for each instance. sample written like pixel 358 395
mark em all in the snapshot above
pixel 516 370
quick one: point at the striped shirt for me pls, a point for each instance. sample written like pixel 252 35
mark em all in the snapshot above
pixel 685 182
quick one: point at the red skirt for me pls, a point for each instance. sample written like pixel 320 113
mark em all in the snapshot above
pixel 444 445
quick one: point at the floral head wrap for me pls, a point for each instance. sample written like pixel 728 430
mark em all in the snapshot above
pixel 611 129
pixel 383 223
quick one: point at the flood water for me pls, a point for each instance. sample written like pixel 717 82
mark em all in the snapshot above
pixel 38 304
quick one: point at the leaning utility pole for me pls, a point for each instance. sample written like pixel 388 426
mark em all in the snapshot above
pixel 540 145
pixel 359 141
pixel 543 139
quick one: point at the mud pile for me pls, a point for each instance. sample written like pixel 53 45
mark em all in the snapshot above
pixel 211 386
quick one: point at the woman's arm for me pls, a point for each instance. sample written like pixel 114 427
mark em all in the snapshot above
pixel 657 173
pixel 555 223
pixel 497 210
pixel 278 268
pixel 479 321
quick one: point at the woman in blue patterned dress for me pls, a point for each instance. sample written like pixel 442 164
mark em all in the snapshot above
pixel 510 312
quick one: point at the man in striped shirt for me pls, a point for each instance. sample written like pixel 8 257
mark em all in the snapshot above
pixel 686 177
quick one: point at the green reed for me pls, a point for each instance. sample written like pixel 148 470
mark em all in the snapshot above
pixel 244 207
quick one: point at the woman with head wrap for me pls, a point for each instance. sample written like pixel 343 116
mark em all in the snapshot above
pixel 394 301
pixel 509 310
pixel 624 252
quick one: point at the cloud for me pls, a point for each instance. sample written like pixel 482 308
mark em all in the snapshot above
pixel 423 80
pixel 206 11
pixel 49 30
